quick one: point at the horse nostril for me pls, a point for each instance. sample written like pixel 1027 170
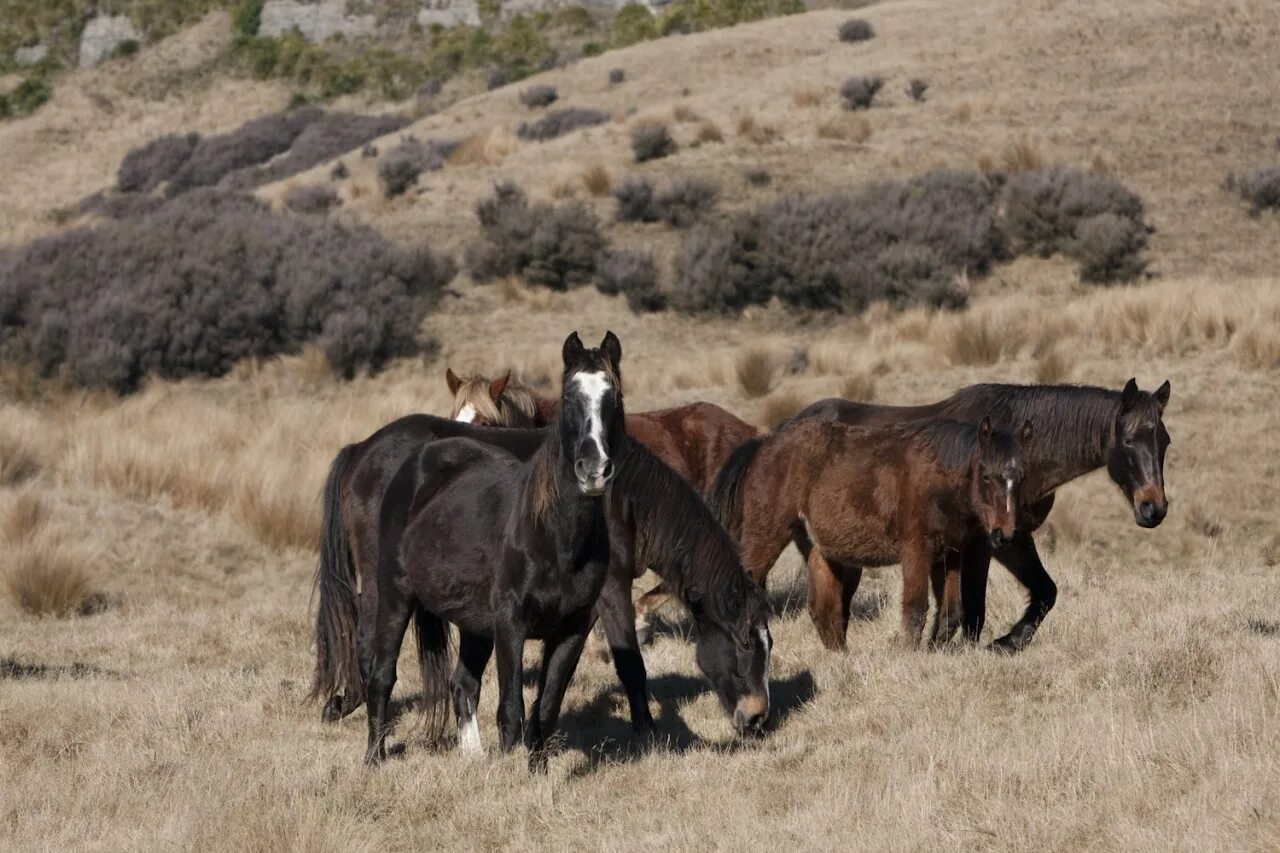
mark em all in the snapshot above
pixel 580 468
pixel 607 473
pixel 1147 510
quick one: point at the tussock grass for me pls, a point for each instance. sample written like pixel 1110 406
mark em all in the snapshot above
pixel 755 370
pixel 486 148
pixel 48 580
pixel 597 179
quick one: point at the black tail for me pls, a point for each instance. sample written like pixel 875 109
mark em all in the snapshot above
pixel 337 678
pixel 435 664
pixel 726 493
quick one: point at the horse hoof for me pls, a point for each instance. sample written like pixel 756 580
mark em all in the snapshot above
pixel 1005 645
pixel 332 710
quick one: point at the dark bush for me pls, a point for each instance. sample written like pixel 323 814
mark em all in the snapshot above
pixel 916 89
pixel 552 246
pixel 856 29
pixel 539 96
pixel 635 200
pixel 254 142
pixel 369 151
pixel 859 92
pixel 329 136
pixel 1261 188
pixel 758 177
pixel 686 201
pixel 401 166
pixel 208 279
pixel 635 276
pixel 145 168
pixel 430 88
pixel 118 205
pixel 560 122
pixel 1109 248
pixel 651 142
pixel 496 80
pixel 311 198
pixel 617 75
pixel 1043 207
pixel 339 172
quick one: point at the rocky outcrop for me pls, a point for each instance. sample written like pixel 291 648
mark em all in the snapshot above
pixel 30 55
pixel 449 13
pixel 104 34
pixel 316 21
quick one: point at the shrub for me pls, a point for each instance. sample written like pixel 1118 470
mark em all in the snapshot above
pixel 204 281
pixel 635 276
pixel 560 122
pixel 633 23
pixel 311 198
pixel 401 166
pixel 617 75
pixel 50 581
pixel 539 96
pixel 758 177
pixel 369 151
pixel 858 92
pixel 430 87
pixel 496 80
pixel 597 179
pixel 552 246
pixel 916 89
pixel 759 132
pixel 635 200
pixel 1109 248
pixel 247 18
pixel 652 141
pixel 856 29
pixel 330 135
pixel 685 201
pixel 1044 207
pixel 709 131
pixel 146 167
pixel 254 142
pixel 339 172
pixel 1260 188
pixel 755 369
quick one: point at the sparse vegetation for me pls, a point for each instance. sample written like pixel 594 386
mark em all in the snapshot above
pixel 617 75
pixel 651 141
pixel 859 92
pixel 856 29
pixel 400 167
pixel 548 245
pixel 536 97
pixel 916 90
pixel 560 122
pixel 845 128
pixel 1261 188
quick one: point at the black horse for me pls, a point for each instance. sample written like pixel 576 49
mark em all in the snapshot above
pixel 1079 429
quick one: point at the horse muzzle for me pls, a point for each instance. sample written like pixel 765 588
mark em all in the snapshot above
pixel 593 479
pixel 750 715
pixel 1150 513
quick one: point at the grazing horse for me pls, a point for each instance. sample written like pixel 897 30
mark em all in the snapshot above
pixel 1079 429
pixel 913 494
pixel 694 440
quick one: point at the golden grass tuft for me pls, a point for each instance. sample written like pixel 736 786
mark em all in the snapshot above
pixel 48 580
pixel 685 114
pixel 21 519
pixel 807 97
pixel 709 131
pixel 1257 345
pixel 1204 522
pixel 486 148
pixel 276 511
pixel 755 371
pixel 859 386
pixel 1053 366
pixel 756 131
pixel 780 406
pixel 1024 154
pixel 18 460
pixel 597 179
pixel 971 339
pixel 562 186
pixel 846 128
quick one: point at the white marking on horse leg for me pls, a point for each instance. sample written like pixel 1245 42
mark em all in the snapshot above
pixel 469 736
pixel 643 628
pixel 593 386
pixel 466 414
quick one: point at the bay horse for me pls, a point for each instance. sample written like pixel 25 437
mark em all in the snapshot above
pixel 913 494
pixel 1080 429
pixel 694 440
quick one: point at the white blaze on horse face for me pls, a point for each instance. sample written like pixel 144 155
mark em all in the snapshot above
pixel 1008 497
pixel 466 414
pixel 469 735
pixel 593 386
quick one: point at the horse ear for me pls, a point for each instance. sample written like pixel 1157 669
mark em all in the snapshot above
pixel 1024 437
pixel 613 350
pixel 573 349
pixel 453 381
pixel 1162 395
pixel 1129 395
pixel 984 431
pixel 497 386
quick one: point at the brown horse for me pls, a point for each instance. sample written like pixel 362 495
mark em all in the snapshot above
pixel 1080 429
pixel 913 494
pixel 693 440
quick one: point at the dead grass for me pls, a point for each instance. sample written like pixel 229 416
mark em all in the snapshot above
pixel 778 407
pixel 21 518
pixel 47 580
pixel 1053 366
pixel 597 179
pixel 708 132
pixel 1257 345
pixel 562 187
pixel 487 148
pixel 755 370
pixel 859 386
pixel 1023 154
pixel 806 97
pixel 685 114
pixel 17 461
pixel 756 131
pixel 844 127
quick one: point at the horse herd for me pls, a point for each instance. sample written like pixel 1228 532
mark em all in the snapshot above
pixel 521 517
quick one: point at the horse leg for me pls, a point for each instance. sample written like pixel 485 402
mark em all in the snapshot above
pixel 509 637
pixel 973 587
pixel 559 659
pixel 474 652
pixel 938 580
pixel 618 618
pixel 828 606
pixel 917 564
pixel 598 644
pixel 950 609
pixel 393 618
pixel 765 532
pixel 645 605
pixel 1020 558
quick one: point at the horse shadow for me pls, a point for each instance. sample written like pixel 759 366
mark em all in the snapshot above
pixel 605 736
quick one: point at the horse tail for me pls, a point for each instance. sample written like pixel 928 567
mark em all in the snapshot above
pixel 337 677
pixel 726 493
pixel 432 634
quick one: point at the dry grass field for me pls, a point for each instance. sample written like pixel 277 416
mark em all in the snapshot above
pixel 167 709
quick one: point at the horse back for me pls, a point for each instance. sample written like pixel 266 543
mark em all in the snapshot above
pixel 693 440
pixel 856 413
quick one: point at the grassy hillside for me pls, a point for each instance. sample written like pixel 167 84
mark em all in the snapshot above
pixel 180 520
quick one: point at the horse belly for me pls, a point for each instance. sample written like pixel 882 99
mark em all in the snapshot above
pixel 855 521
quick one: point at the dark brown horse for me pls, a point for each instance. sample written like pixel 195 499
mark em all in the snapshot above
pixel 1079 429
pixel 913 494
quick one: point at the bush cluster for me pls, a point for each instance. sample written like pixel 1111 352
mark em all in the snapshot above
pixel 857 29
pixel 539 96
pixel 401 166
pixel 560 122
pixel 207 279
pixel 651 141
pixel 681 203
pixel 1260 188
pixel 859 92
pixel 906 242
pixel 635 276
pixel 311 198
pixel 553 246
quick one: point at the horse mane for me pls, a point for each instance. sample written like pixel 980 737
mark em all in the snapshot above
pixel 517 404
pixel 951 441
pixel 542 490
pixel 676 530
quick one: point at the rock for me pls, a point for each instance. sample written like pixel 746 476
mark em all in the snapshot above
pixel 30 55
pixel 316 21
pixel 449 13
pixel 102 35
